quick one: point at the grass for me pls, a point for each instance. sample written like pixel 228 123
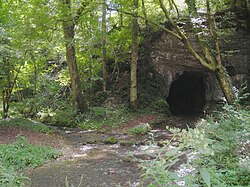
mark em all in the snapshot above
pixel 26 123
pixel 14 158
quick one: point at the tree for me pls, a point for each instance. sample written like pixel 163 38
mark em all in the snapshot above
pixel 104 41
pixel 10 57
pixel 134 58
pixel 10 77
pixel 211 61
pixel 69 22
pixel 211 56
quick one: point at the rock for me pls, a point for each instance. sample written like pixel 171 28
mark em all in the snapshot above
pixel 91 141
pixel 111 140
pixel 172 60
pixel 127 159
pixel 126 142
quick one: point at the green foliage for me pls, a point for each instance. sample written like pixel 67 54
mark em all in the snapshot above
pixel 157 173
pixel 111 140
pixel 220 145
pixel 140 129
pixel 61 117
pixel 26 123
pixel 243 96
pixel 205 176
pixel 10 178
pixel 22 154
pixel 18 156
pixel 160 105
pixel 101 117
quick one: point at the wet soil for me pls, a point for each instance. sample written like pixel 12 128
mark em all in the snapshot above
pixel 10 134
pixel 87 159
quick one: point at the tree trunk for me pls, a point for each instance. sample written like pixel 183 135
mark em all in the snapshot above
pixel 6 97
pixel 134 58
pixel 6 89
pixel 214 62
pixel 144 11
pixel 69 33
pixel 225 84
pixel 104 52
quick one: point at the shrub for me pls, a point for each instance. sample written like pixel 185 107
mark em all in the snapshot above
pixel 221 148
pixel 18 156
pixel 99 117
pixel 161 106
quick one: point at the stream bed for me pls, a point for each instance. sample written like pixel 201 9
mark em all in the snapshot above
pixel 88 160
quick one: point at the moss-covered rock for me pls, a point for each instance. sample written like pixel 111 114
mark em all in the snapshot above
pixel 111 140
pixel 141 129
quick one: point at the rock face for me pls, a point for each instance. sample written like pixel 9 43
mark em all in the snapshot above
pixel 181 71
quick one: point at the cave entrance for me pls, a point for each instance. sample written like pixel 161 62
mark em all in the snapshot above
pixel 187 94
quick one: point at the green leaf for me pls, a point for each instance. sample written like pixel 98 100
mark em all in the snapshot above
pixel 205 176
pixel 172 152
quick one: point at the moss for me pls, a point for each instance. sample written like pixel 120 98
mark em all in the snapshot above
pixel 140 129
pixel 111 140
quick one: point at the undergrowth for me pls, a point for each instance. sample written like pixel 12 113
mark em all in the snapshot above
pixel 217 153
pixel 26 123
pixel 140 129
pixel 14 158
pixel 101 117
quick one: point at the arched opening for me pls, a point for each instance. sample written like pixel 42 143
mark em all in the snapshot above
pixel 187 94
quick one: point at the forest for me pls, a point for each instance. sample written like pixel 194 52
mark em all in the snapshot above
pixel 124 93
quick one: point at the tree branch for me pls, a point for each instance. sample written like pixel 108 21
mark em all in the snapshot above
pixel 200 33
pixel 184 38
pixel 211 25
pixel 150 21
pixel 175 6
pixel 144 13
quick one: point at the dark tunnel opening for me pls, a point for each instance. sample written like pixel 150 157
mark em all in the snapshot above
pixel 187 94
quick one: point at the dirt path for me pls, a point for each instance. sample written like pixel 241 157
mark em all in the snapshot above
pixel 86 156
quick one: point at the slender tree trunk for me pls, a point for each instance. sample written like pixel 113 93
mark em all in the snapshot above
pixel 104 41
pixel 225 84
pixel 121 19
pixel 8 88
pixel 78 101
pixel 134 58
pixel 69 34
pixel 6 99
pixel 35 79
pixel 144 11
